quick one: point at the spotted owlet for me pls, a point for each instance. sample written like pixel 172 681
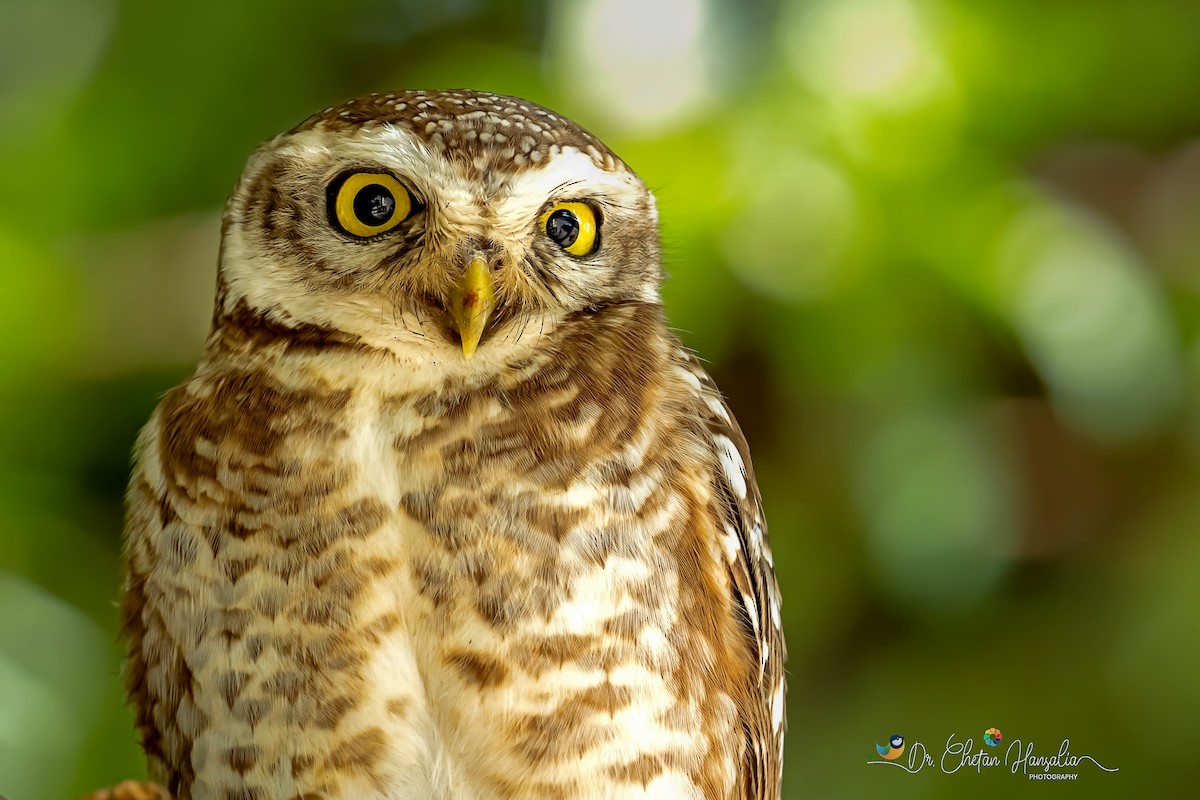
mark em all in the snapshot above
pixel 446 511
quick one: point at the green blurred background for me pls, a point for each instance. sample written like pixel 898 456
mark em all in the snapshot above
pixel 942 256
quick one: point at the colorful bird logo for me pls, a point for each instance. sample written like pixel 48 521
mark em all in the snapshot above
pixel 992 737
pixel 893 750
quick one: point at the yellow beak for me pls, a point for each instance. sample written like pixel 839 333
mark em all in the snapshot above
pixel 471 304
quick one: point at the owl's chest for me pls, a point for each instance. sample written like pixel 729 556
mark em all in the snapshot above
pixel 541 604
pixel 440 599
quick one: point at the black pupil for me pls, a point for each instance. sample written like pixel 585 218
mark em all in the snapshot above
pixel 374 205
pixel 563 227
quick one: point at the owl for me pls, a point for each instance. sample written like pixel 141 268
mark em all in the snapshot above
pixel 446 511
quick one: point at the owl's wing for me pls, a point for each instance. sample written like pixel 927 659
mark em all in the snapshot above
pixel 751 567
pixel 157 678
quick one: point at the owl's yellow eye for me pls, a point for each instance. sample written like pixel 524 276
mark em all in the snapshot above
pixel 369 203
pixel 572 226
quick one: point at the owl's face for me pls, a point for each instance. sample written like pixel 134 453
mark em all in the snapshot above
pixel 437 223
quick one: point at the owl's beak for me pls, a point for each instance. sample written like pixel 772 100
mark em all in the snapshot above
pixel 471 304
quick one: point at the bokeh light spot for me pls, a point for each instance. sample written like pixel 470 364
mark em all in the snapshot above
pixel 642 63
pixel 49 681
pixel 873 51
pixel 1091 320
pixel 790 239
pixel 939 509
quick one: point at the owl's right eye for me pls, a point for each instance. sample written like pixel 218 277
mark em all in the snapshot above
pixel 366 204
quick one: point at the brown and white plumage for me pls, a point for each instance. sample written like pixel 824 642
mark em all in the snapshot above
pixel 363 565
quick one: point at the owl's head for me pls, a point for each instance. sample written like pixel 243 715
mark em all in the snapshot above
pixel 437 223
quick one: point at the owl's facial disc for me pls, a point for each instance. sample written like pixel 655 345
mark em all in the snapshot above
pixel 430 224
pixel 471 303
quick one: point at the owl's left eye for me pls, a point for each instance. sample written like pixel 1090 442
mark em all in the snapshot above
pixel 571 226
pixel 366 204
